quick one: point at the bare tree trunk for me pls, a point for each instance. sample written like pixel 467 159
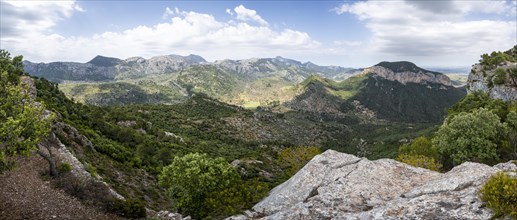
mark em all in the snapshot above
pixel 48 157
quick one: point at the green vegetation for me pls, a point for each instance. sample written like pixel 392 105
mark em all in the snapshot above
pixel 471 137
pixel 420 161
pixel 420 153
pixel 23 122
pixel 499 77
pixel 408 103
pixel 196 182
pixel 129 208
pixel 500 194
pixel 120 93
pixel 419 146
pixel 294 158
pixel 64 167
pixel 477 100
pixel 496 58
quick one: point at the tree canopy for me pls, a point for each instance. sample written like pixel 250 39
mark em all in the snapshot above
pixel 471 136
pixel 192 178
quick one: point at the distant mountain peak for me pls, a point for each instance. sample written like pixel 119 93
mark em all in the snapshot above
pixel 407 72
pixel 403 66
pixel 104 61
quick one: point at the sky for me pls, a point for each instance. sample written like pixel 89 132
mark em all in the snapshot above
pixel 344 33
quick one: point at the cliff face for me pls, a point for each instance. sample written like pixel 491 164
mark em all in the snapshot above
pixel 404 77
pixel 335 185
pixel 495 74
pixel 481 80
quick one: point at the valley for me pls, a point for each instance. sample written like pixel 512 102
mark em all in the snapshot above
pixel 258 110
pixel 125 132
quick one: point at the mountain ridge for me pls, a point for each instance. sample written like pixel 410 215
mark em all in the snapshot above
pixel 380 93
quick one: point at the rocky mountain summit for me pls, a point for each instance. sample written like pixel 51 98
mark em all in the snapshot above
pixel 407 72
pixel 336 185
pixel 291 70
pixel 103 68
pixel 397 91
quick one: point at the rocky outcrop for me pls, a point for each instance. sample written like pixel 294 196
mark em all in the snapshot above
pixel 404 77
pixel 335 185
pixel 480 79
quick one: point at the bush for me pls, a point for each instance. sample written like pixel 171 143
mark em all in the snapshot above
pixel 233 200
pixel 64 168
pixel 129 208
pixel 472 136
pixel 500 194
pixel 294 158
pixel 499 76
pixel 419 146
pixel 420 161
pixel 192 178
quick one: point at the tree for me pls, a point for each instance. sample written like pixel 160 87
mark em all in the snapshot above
pixel 192 179
pixel 419 146
pixel 470 137
pixel 420 153
pixel 477 100
pixel 23 122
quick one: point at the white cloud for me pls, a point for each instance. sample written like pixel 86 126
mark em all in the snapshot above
pixel 442 32
pixel 79 8
pixel 168 12
pixel 19 17
pixel 344 8
pixel 244 14
pixel 229 11
pixel 183 33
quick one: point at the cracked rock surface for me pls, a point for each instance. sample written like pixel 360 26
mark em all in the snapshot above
pixel 335 185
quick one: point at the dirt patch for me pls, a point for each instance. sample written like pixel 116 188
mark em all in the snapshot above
pixel 25 195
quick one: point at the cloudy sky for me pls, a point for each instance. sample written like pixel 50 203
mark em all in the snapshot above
pixel 346 33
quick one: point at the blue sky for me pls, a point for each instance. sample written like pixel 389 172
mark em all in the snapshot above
pixel 346 33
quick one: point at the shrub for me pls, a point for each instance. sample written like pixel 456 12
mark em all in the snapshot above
pixel 129 208
pixel 499 76
pixel 419 146
pixel 233 200
pixel 470 137
pixel 420 161
pixel 192 178
pixel 500 194
pixel 64 168
pixel 294 158
pixel 91 169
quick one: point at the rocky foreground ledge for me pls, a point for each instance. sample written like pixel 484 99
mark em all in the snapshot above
pixel 342 186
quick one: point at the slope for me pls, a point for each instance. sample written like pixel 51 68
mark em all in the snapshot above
pixel 406 96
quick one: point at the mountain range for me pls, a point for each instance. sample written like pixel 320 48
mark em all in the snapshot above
pixel 400 90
